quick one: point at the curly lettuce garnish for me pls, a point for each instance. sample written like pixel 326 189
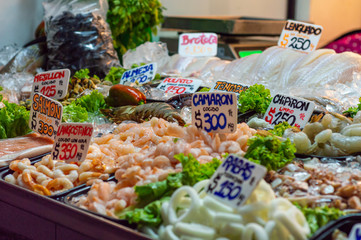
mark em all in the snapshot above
pixel 92 102
pixel 352 111
pixel 83 73
pixel 280 128
pixel 74 113
pixel 14 119
pixel 256 98
pixel 319 216
pixel 270 151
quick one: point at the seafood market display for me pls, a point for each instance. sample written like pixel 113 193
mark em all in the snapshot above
pixel 148 165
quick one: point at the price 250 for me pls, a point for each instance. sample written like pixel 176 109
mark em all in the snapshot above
pixel 280 117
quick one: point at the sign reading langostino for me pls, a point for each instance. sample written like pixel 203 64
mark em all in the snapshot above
pixel 53 84
pixel 234 180
pixel 72 142
pixel 215 111
pixel 142 74
pixel 198 44
pixel 300 36
pixel 45 115
pixel 295 111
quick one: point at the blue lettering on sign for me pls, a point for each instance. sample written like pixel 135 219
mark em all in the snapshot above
pixel 133 74
pixel 217 99
pixel 358 234
pixel 238 166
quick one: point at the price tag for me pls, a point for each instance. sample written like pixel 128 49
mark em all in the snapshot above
pixel 45 115
pixel 235 180
pixel 72 142
pixel 295 111
pixel 180 85
pixel 225 86
pixel 53 84
pixel 355 233
pixel 142 74
pixel 215 111
pixel 300 36
pixel 198 44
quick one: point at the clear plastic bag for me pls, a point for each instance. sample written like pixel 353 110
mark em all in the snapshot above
pixel 78 36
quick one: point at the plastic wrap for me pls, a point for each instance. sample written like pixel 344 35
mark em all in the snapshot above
pixel 331 80
pixel 7 52
pixel 149 52
pixel 78 36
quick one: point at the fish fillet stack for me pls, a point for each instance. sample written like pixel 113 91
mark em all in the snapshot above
pixel 329 78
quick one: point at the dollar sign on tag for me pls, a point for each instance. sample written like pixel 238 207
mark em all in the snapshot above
pixel 56 151
pixel 198 119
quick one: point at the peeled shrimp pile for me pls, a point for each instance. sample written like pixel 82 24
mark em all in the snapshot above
pixel 144 153
pixel 334 135
pixel 315 183
pixel 192 214
pixel 49 177
pixel 331 79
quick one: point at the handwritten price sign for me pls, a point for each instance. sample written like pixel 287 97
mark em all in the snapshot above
pixel 295 111
pixel 72 142
pixel 198 44
pixel 45 115
pixel 300 36
pixel 235 180
pixel 225 86
pixel 179 85
pixel 142 74
pixel 53 84
pixel 215 112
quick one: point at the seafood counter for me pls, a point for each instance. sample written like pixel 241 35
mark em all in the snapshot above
pixel 147 167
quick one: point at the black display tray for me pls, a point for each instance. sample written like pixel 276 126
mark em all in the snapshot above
pixel 343 224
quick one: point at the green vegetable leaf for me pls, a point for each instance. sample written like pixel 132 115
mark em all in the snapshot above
pixel 74 113
pixel 280 128
pixel 115 74
pixel 92 102
pixel 193 171
pixel 352 111
pixel 270 151
pixel 13 120
pixel 256 98
pixel 205 89
pixel 319 216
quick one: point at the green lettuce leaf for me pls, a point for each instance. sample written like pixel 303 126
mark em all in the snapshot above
pixel 352 111
pixel 319 216
pixel 74 113
pixel 280 128
pixel 270 151
pixel 92 102
pixel 256 98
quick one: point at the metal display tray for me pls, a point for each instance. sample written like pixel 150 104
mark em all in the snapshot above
pixel 37 217
pixel 225 25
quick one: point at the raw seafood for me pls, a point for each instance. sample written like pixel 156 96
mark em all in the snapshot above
pixel 29 145
pixel 316 183
pixel 144 153
pixel 262 217
pixel 333 135
pixel 143 112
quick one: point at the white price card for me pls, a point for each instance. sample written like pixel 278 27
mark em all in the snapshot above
pixel 72 142
pixel 300 36
pixel 198 44
pixel 53 84
pixel 234 180
pixel 355 233
pixel 45 115
pixel 180 85
pixel 225 86
pixel 142 74
pixel 295 111
pixel 215 111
